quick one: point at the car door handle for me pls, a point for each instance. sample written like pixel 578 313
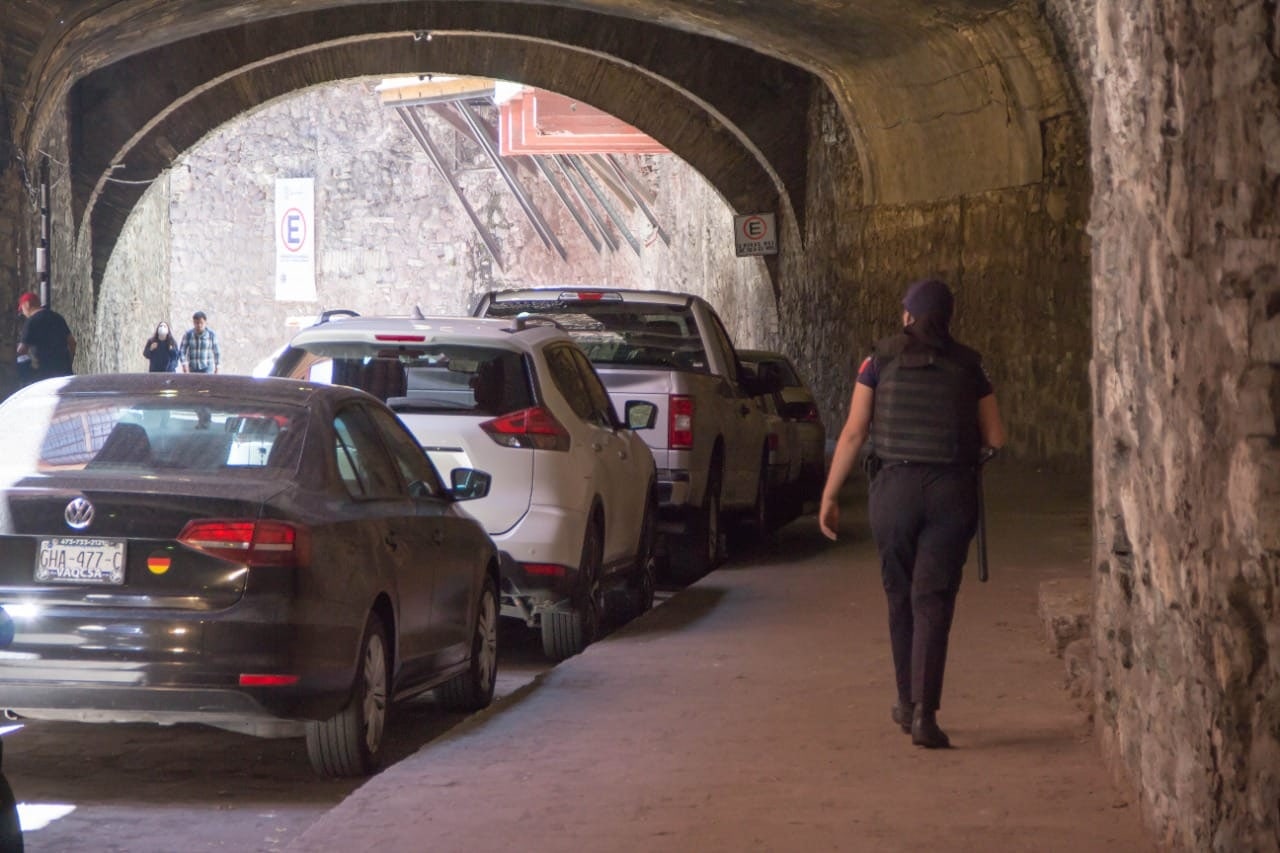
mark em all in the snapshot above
pixel 745 410
pixel 390 541
pixel 597 446
pixel 437 536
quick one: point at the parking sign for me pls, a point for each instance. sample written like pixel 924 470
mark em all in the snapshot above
pixel 754 234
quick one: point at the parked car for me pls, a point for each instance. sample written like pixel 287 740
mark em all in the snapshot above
pixel 10 826
pixel 784 468
pixel 799 407
pixel 573 497
pixel 268 556
pixel 673 351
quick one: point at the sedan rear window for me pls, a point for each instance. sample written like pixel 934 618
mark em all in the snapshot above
pixel 154 434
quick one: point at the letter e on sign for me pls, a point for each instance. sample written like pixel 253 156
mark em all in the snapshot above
pixel 293 229
pixel 755 234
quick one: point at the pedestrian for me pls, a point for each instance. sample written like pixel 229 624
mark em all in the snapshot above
pixel 929 408
pixel 161 350
pixel 199 352
pixel 46 339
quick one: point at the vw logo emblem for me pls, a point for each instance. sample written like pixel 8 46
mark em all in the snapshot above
pixel 79 514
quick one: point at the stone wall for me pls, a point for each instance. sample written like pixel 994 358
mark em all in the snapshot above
pixel 1017 258
pixel 390 233
pixel 1186 377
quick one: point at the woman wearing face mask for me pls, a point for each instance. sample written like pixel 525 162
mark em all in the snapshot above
pixel 161 350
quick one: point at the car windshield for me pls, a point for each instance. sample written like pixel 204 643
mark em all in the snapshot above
pixel 436 378
pixel 153 434
pixel 621 333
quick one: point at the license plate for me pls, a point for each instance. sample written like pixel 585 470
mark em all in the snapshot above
pixel 80 560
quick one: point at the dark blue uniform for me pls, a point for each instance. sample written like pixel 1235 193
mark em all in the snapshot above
pixel 923 500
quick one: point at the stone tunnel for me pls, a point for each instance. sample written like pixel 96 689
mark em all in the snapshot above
pixel 1098 179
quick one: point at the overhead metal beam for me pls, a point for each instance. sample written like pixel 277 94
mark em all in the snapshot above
pixel 569 176
pixel 419 131
pixel 627 182
pixel 531 211
pixel 567 202
pixel 617 220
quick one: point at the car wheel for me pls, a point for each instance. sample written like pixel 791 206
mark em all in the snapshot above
pixel 567 632
pixel 348 743
pixel 758 524
pixel 473 690
pixel 641 585
pixel 698 552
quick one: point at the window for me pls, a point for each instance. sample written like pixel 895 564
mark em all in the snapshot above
pixel 567 377
pixel 363 464
pixel 601 405
pixel 413 463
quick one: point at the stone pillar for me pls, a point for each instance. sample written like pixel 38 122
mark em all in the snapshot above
pixel 1186 375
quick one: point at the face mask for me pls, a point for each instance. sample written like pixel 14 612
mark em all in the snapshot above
pixel 163 331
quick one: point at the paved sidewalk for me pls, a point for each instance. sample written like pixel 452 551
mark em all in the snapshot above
pixel 751 712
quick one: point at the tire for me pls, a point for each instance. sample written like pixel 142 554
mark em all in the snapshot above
pixel 349 743
pixel 473 689
pixel 638 595
pixel 696 553
pixel 565 633
pixel 758 524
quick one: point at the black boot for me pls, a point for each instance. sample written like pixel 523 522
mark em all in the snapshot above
pixel 925 731
pixel 902 714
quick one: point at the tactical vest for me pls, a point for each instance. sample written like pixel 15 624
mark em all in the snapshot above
pixel 926 405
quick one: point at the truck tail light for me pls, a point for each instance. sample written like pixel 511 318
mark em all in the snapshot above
pixel 262 542
pixel 534 428
pixel 680 429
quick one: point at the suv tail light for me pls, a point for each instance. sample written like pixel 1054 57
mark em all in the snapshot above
pixel 534 428
pixel 680 429
pixel 258 543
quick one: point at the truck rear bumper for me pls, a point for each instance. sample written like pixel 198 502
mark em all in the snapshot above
pixel 676 511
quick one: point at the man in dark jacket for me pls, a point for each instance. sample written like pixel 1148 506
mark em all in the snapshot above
pixel 46 339
pixel 929 408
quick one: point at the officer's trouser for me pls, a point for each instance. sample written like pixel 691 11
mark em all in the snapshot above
pixel 923 518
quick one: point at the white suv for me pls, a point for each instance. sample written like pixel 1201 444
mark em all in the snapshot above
pixel 572 502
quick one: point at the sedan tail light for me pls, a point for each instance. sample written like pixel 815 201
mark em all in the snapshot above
pixel 258 543
pixel 680 428
pixel 534 428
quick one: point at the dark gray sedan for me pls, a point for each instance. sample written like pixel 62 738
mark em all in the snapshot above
pixel 264 555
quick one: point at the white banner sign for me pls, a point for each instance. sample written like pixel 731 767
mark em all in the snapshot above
pixel 295 240
pixel 754 234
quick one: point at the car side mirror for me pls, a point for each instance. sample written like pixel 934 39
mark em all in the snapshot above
pixel 470 484
pixel 641 414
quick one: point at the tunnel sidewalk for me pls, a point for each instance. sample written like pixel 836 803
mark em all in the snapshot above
pixel 751 712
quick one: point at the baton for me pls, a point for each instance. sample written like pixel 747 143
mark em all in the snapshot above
pixel 983 573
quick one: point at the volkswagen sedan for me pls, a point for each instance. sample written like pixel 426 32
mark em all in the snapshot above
pixel 262 555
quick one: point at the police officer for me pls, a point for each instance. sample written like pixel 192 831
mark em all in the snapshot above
pixel 929 409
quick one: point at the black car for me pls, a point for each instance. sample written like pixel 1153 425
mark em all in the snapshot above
pixel 263 555
pixel 10 828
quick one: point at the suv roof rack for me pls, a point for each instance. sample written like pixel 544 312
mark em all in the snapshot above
pixel 326 316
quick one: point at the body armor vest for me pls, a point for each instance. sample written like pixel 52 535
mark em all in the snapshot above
pixel 926 404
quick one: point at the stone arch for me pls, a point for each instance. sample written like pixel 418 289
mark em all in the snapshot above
pixel 675 118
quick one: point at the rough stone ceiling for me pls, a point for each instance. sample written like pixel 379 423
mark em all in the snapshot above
pixel 942 97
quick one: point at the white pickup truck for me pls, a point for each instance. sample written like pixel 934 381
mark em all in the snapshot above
pixel 672 350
